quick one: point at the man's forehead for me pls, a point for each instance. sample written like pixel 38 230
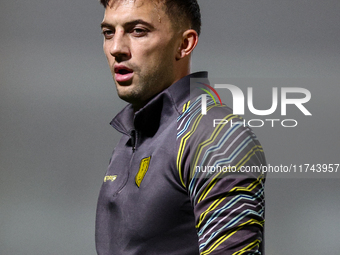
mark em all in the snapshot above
pixel 122 11
pixel 136 3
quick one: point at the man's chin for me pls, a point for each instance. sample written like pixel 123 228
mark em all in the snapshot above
pixel 132 98
pixel 127 96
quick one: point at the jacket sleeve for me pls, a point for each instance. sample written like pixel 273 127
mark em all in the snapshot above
pixel 219 164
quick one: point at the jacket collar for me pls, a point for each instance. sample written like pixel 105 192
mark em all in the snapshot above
pixel 157 110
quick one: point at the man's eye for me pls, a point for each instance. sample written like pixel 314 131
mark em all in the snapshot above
pixel 139 32
pixel 108 34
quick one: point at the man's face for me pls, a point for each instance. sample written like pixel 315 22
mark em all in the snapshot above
pixel 140 45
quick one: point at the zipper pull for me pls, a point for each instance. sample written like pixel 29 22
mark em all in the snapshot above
pixel 133 140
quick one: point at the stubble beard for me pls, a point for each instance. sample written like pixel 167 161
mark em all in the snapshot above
pixel 148 86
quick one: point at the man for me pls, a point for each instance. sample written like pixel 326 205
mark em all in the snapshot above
pixel 157 197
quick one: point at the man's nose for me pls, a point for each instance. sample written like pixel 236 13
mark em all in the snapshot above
pixel 120 49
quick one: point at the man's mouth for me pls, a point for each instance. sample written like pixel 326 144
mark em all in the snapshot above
pixel 123 73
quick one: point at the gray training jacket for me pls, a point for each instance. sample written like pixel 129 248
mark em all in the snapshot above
pixel 176 184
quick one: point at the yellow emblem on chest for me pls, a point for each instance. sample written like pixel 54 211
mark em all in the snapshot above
pixel 143 168
pixel 110 178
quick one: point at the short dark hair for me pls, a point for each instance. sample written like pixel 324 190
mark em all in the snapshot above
pixel 179 11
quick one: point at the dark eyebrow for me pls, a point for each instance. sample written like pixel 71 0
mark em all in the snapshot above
pixel 104 24
pixel 129 24
pixel 139 21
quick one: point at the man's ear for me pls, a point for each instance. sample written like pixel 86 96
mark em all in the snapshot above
pixel 188 43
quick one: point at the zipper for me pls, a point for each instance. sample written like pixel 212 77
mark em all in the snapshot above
pixel 133 136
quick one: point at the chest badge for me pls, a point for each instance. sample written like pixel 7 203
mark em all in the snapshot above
pixel 111 178
pixel 143 168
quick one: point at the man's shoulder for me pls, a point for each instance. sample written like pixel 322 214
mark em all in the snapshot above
pixel 217 127
pixel 213 114
pixel 217 138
